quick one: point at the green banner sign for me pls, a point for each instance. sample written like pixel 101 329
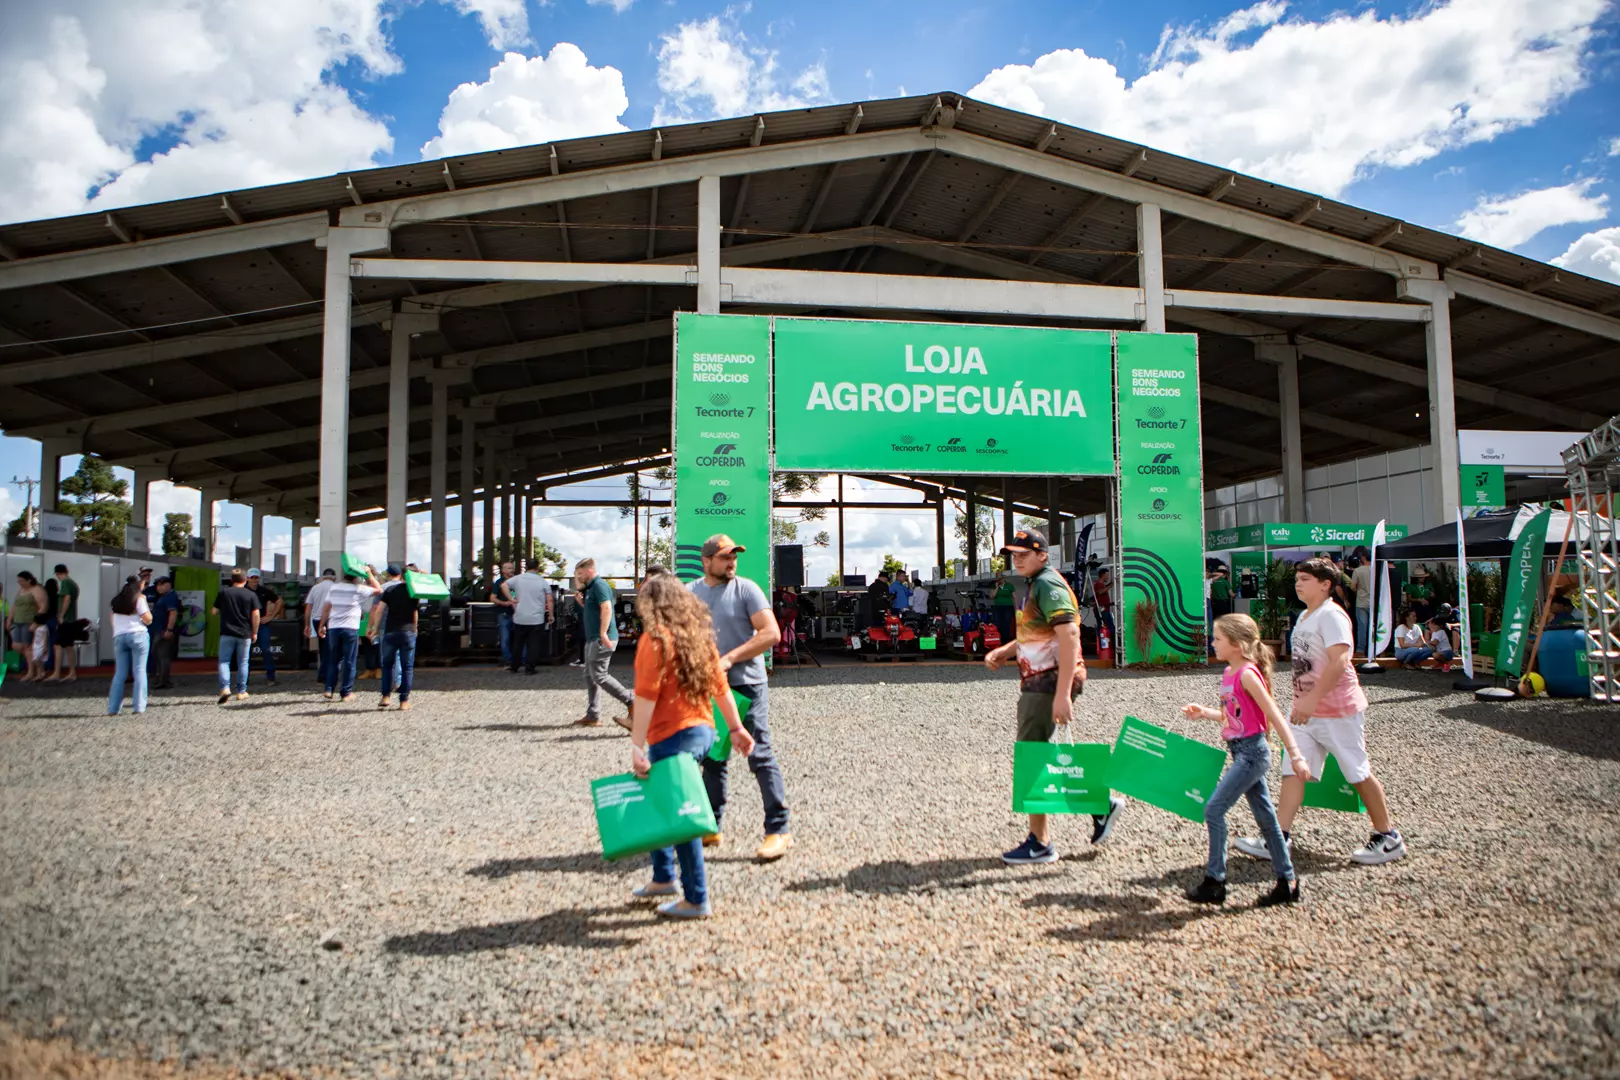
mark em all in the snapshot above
pixel 1161 496
pixel 1519 599
pixel 866 396
pixel 1289 534
pixel 722 435
pixel 1483 485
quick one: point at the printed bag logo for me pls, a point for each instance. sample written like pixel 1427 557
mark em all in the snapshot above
pixel 1065 759
pixel 719 400
pixel 689 809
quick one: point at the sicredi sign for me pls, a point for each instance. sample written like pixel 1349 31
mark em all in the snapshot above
pixel 859 396
pixel 1298 534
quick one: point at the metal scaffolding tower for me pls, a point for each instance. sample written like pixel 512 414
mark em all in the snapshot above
pixel 1593 467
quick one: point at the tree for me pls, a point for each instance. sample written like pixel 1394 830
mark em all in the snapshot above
pixel 96 501
pixel 989 532
pixel 176 533
pixel 541 554
pixel 19 524
pixel 834 580
pixel 785 530
pixel 891 564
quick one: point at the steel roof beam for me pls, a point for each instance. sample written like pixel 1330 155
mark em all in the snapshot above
pixel 1536 307
pixel 800 288
pixel 162 250
pixel 1348 428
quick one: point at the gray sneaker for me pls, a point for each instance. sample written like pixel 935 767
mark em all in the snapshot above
pixel 1382 848
pixel 1255 846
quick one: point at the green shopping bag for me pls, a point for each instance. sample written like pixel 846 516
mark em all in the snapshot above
pixel 14 660
pixel 1061 777
pixel 423 586
pixel 355 567
pixel 1164 769
pixel 1332 792
pixel 721 750
pixel 669 807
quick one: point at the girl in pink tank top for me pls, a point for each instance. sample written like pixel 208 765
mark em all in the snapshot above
pixel 1247 711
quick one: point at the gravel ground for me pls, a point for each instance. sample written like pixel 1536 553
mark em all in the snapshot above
pixel 288 887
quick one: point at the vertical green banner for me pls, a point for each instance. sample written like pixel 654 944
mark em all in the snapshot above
pixel 722 439
pixel 1161 497
pixel 1519 601
pixel 1483 485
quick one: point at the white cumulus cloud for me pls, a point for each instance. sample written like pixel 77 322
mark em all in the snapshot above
pixel 505 22
pixel 1319 104
pixel 619 6
pixel 1597 254
pixel 710 68
pixel 245 86
pixel 1508 221
pixel 531 100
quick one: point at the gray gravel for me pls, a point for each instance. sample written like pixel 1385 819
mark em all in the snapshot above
pixel 288 886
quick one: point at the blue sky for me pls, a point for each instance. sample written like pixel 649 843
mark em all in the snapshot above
pixel 1494 118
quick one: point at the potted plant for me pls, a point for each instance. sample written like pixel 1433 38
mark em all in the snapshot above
pixel 1274 602
pixel 1143 628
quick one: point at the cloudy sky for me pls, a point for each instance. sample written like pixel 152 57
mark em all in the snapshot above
pixel 1485 117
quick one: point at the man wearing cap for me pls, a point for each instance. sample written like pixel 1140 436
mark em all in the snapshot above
pixel 165 631
pixel 397 613
pixel 271 607
pixel 745 630
pixel 1051 675
pixel 313 603
pixel 601 631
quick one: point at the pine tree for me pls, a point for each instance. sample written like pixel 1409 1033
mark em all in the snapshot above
pixel 96 499
pixel 176 533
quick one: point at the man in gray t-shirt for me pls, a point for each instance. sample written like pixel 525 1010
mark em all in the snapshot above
pixel 745 630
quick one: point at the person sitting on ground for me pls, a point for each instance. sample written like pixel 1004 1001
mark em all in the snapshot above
pixel 1409 647
pixel 1440 643
pixel 678 673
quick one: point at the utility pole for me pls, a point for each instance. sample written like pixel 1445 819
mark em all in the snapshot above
pixel 28 511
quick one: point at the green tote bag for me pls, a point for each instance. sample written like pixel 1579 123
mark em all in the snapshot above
pixel 1164 769
pixel 669 807
pixel 1061 777
pixel 1332 792
pixel 721 750
pixel 423 586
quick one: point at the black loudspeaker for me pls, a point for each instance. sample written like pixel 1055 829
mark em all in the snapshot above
pixel 790 565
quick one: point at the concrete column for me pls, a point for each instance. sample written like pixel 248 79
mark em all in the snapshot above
pixel 939 531
pixel 256 544
pixel 1006 514
pixel 438 475
pixel 205 518
pixel 470 419
pixel 51 452
pixel 1444 491
pixel 1054 518
pixel 295 550
pixel 1150 267
pixel 526 528
pixel 399 435
pixel 1286 357
pixel 341 243
pixel 489 500
pixel 504 535
pixel 708 245
pixel 140 499
pixel 972 552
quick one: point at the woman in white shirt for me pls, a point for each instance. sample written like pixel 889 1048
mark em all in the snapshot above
pixel 1409 648
pixel 131 643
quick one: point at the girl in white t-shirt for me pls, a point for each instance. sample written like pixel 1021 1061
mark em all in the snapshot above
pixel 1440 643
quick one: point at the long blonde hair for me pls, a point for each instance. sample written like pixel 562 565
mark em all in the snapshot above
pixel 1244 632
pixel 680 623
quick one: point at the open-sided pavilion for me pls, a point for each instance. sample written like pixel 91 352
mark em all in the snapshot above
pixel 487 327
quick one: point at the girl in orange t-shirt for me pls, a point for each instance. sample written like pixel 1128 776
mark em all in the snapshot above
pixel 677 673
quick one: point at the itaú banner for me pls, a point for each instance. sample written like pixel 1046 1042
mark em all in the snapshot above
pixel 866 396
pixel 1517 451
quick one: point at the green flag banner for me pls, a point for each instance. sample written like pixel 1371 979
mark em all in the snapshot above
pixel 1161 495
pixel 869 396
pixel 1519 597
pixel 722 437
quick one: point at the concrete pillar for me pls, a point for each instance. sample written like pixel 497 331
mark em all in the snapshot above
pixel 140 500
pixel 1006 514
pixel 1054 518
pixel 438 478
pixel 51 452
pixel 939 531
pixel 470 419
pixel 295 550
pixel 205 518
pixel 1286 357
pixel 1444 490
pixel 489 502
pixel 341 243
pixel 708 245
pixel 526 525
pixel 399 435
pixel 972 552
pixel 504 536
pixel 1150 267
pixel 256 544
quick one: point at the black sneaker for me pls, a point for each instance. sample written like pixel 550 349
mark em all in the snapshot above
pixel 1209 891
pixel 1102 825
pixel 1030 851
pixel 1285 892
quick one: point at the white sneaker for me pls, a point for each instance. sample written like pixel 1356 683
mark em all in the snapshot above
pixel 1382 848
pixel 1255 846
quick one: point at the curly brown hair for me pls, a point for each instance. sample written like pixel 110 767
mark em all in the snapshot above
pixel 680 623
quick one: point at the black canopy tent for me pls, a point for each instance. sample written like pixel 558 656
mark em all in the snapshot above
pixel 1487 537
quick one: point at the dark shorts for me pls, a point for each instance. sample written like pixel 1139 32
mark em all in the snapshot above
pixel 1035 714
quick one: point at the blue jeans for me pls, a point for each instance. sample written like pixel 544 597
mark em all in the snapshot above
pixel 1251 758
pixel 1363 628
pixel 694 879
pixel 398 645
pixel 504 624
pixel 1413 656
pixel 233 663
pixel 762 761
pixel 343 649
pixel 131 650
pixel 323 657
pixel 266 656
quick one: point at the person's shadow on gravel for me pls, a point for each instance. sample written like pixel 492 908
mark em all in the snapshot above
pixel 1144 925
pixel 1571 725
pixel 577 928
pixel 508 727
pixel 894 876
pixel 1246 871
pixel 588 863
